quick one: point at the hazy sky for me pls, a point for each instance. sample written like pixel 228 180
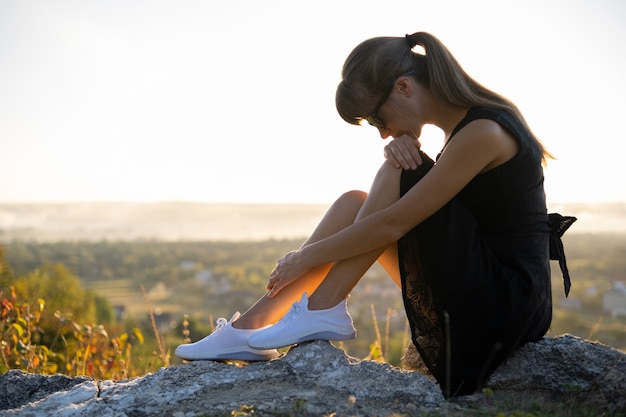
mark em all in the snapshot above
pixel 233 101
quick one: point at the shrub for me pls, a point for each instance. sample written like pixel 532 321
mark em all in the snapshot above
pixel 40 330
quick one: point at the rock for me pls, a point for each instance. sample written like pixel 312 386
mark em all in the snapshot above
pixel 567 369
pixel 318 379
pixel 18 388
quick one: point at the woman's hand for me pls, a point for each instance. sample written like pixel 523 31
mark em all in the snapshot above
pixel 404 152
pixel 288 268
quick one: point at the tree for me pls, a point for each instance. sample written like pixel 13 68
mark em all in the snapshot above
pixel 6 275
pixel 66 302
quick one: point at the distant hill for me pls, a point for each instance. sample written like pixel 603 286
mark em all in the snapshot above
pixel 158 221
pixel 212 221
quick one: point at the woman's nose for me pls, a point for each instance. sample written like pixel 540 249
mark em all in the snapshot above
pixel 384 132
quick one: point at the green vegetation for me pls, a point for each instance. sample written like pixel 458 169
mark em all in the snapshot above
pixel 596 263
pixel 42 335
pixel 117 309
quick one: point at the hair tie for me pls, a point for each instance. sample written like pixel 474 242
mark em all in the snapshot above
pixel 410 41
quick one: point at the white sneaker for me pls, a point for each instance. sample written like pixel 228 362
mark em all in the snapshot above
pixel 226 342
pixel 302 325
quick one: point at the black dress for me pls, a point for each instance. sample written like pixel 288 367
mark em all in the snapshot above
pixel 476 274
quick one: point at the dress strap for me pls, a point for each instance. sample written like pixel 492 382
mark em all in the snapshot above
pixel 559 225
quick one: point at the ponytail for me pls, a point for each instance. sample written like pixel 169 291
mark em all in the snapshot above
pixel 374 64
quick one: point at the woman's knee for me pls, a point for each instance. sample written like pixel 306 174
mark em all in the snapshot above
pixel 353 198
pixel 347 206
pixel 386 185
pixel 388 174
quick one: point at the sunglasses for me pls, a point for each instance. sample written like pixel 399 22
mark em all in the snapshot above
pixel 373 119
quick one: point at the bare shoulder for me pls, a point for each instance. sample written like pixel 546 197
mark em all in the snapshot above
pixel 485 129
pixel 487 136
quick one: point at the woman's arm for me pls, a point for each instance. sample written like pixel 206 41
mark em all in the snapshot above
pixel 478 147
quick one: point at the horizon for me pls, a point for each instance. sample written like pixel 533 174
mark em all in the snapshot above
pixel 314 203
pixel 192 221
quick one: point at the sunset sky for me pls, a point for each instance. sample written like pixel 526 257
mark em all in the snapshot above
pixel 233 101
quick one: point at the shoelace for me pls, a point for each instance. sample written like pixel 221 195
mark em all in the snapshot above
pixel 293 312
pixel 219 324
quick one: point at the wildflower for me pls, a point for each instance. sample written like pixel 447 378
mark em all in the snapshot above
pixel 7 307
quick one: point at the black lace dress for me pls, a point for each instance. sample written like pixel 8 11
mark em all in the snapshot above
pixel 476 274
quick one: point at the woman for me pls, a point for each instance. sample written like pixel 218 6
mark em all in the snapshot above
pixel 466 238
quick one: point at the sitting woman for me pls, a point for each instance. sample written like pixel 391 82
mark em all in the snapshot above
pixel 467 238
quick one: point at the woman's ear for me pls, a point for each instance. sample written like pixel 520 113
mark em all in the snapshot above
pixel 404 86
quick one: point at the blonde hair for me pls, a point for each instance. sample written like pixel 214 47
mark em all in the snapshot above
pixel 372 67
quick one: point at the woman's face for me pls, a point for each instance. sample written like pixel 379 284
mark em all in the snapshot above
pixel 405 110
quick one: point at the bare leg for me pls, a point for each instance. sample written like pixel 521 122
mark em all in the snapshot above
pixel 269 310
pixel 344 275
pixel 336 280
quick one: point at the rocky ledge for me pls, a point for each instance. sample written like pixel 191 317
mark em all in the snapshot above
pixel 562 373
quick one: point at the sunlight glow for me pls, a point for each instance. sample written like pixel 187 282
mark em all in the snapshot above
pixel 234 101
